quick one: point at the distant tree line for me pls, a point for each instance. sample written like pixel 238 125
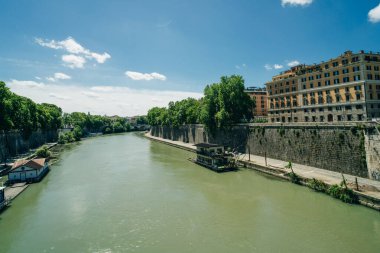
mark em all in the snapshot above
pixel 83 124
pixel 21 113
pixel 224 103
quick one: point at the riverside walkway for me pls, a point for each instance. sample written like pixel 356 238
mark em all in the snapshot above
pixel 367 187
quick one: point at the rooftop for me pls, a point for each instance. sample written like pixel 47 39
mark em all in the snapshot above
pixel 33 163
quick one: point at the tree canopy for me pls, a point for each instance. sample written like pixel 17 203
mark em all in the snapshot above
pixel 21 113
pixel 223 104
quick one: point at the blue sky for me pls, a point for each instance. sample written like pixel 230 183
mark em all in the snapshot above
pixel 122 57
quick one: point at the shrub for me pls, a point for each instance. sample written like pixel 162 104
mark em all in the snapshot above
pixel 294 178
pixel 43 152
pixel 344 194
pixel 317 185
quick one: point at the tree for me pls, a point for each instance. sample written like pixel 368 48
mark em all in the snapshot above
pixel 226 103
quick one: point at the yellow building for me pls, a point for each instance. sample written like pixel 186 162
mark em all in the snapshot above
pixel 346 88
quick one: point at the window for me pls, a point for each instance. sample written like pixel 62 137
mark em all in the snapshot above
pixel 336 73
pixel 346 79
pixel 336 81
pixel 359 107
pixel 369 77
pixel 338 108
pixel 369 67
pixel 304 86
pixel 303 79
pixel 311 78
pixel 345 62
pixel 319 84
pixel 319 76
pixel 329 108
pixel 356 68
pixel 358 96
pixel 345 71
pixel 360 117
pixel 355 59
pixel 376 68
pixel 321 118
pixel 347 98
pixel 339 117
pixel 335 64
pixel 306 119
pixel 349 117
pixel 358 87
pixel 377 77
pixel 321 109
pixel 357 78
pixel 327 82
pixel 327 74
pixel 348 107
pixel 326 66
pixel 311 85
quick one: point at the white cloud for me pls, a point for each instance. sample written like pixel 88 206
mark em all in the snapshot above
pixel 241 66
pixel 74 48
pixel 268 67
pixel 73 61
pixel 293 63
pixel 25 84
pixel 58 76
pixel 277 66
pixel 53 95
pixel 145 76
pixel 296 2
pixel 61 76
pixel 109 100
pixel 91 94
pixel 102 88
pixel 100 58
pixel 374 14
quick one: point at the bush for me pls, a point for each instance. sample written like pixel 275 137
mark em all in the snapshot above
pixel 43 152
pixel 317 185
pixel 294 178
pixel 345 194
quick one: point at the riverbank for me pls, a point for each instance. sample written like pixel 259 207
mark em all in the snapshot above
pixel 369 190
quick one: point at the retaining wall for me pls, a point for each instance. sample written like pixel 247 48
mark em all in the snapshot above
pixel 338 148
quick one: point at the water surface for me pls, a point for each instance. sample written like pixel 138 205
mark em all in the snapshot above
pixel 124 193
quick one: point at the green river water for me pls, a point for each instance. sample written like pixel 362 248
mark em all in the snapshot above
pixel 124 193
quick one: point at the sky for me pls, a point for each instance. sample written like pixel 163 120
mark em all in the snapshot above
pixel 122 57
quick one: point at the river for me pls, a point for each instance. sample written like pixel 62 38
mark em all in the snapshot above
pixel 125 193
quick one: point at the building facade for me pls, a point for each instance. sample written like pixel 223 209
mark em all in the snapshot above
pixel 346 88
pixel 28 170
pixel 260 96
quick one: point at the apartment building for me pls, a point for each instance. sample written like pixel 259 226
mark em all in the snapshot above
pixel 346 88
pixel 260 96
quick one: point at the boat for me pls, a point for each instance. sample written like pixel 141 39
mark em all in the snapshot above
pixel 214 157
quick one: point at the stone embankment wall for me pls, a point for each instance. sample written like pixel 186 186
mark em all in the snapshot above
pixel 338 148
pixel 14 143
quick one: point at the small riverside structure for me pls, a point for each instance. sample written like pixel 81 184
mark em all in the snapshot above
pixel 2 198
pixel 214 157
pixel 32 170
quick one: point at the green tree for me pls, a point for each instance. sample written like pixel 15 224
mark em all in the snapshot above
pixel 226 103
